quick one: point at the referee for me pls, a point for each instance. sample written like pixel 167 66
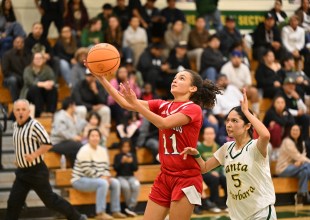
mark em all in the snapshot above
pixel 31 141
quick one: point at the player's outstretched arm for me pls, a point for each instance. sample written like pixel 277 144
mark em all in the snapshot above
pixel 264 135
pixel 205 166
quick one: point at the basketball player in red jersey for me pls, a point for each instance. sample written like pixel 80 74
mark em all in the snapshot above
pixel 178 187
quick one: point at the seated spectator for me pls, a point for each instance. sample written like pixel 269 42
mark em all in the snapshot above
pixel 293 37
pixel 229 98
pixel 267 36
pixel 293 162
pixel 176 62
pixel 239 75
pixel 89 95
pixel 91 173
pixel 277 120
pixel 92 33
pixel 7 10
pixel 121 76
pixel 135 74
pixel 122 12
pixel 13 64
pixel 229 36
pixel 212 59
pixel 197 41
pixel 104 15
pixel 303 13
pixel 176 31
pixel 39 86
pixel 171 14
pixel 125 164
pixel 269 75
pixel 65 49
pixel 215 178
pixel 150 63
pixel 66 130
pixel 277 12
pixel 148 138
pixel 135 38
pixel 78 69
pixel 147 92
pixel 94 121
pixel 77 17
pixel 36 41
pixel 295 104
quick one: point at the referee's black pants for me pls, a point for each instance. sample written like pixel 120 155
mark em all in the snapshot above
pixel 37 179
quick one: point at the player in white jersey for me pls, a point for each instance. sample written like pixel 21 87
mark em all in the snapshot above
pixel 250 189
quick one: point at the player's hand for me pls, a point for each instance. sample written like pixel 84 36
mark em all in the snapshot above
pixel 127 93
pixel 189 151
pixel 244 103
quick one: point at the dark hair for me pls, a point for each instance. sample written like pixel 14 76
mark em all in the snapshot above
pixel 205 95
pixel 300 142
pixel 244 118
pixel 93 113
pixel 123 141
pixel 67 102
pixel 107 6
pixel 94 129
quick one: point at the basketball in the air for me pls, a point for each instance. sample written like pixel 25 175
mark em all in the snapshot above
pixel 103 59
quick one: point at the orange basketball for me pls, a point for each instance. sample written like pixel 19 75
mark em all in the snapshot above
pixel 103 59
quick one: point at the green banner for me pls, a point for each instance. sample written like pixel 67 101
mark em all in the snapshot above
pixel 244 19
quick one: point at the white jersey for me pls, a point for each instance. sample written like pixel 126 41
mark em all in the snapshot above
pixel 249 183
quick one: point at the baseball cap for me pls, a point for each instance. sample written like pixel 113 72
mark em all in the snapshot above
pixel 269 15
pixel 236 53
pixel 289 79
pixel 230 18
pixel 182 44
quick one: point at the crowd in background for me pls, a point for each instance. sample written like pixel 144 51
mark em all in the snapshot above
pixel 154 45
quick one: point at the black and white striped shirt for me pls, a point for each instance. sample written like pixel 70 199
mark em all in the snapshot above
pixel 27 138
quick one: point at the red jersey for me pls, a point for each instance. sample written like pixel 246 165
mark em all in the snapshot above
pixel 173 141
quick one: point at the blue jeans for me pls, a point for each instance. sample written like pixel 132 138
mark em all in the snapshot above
pixel 302 173
pixel 209 73
pixel 215 18
pixel 101 186
pixel 65 70
pixel 130 188
pixel 14 85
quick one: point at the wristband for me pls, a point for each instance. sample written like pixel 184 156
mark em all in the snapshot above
pixel 196 156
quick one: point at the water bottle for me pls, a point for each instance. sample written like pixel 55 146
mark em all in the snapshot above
pixel 63 162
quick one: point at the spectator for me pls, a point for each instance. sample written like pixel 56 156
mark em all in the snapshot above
pixel 135 38
pixel 89 95
pixel 209 10
pixel 171 14
pixel 296 105
pixel 65 49
pixel 104 15
pixel 37 42
pixel 303 13
pixel 77 17
pixel 7 10
pixel 94 121
pixel 148 138
pixel 135 74
pixel 39 86
pixel 122 12
pixel 277 12
pixel 91 174
pixel 51 11
pixel 293 37
pixel 125 164
pixel 147 92
pixel 13 64
pixel 230 96
pixel 212 59
pixel 267 36
pixel 293 162
pixel 78 69
pixel 269 75
pixel 197 41
pixel 229 35
pixel 176 31
pixel 122 76
pixel 92 33
pixel 215 178
pixel 239 75
pixel 65 120
pixel 277 120
pixel 150 63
